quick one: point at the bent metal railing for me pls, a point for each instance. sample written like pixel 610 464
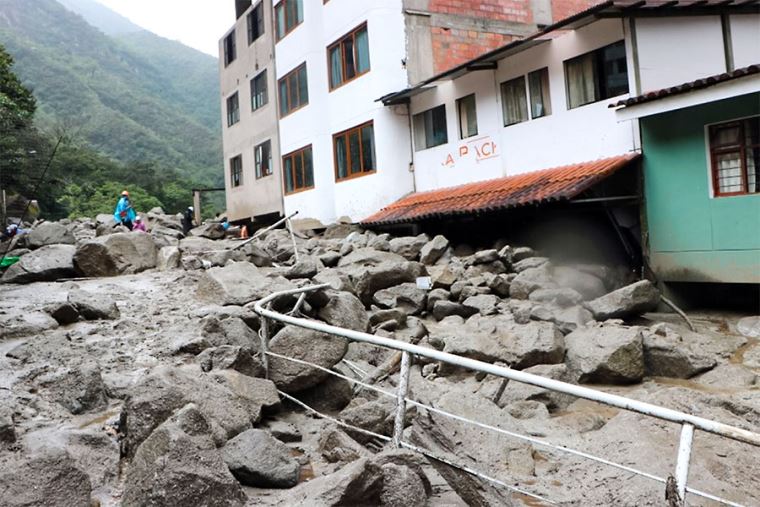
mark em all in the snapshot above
pixel 688 422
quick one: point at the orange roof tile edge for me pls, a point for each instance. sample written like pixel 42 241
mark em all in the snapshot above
pixel 558 183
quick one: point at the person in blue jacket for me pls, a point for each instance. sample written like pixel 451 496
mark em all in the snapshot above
pixel 124 213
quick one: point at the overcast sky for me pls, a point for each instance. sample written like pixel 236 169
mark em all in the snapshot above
pixel 195 23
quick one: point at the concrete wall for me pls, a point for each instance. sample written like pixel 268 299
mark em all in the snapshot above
pixel 693 236
pixel 254 197
pixel 350 105
pixel 566 136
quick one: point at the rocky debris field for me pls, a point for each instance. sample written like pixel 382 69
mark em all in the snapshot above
pixel 131 373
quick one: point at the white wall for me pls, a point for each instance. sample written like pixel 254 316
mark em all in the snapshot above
pixel 745 37
pixel 566 136
pixel 677 50
pixel 346 107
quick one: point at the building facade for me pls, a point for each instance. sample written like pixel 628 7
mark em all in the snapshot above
pixel 342 153
pixel 251 146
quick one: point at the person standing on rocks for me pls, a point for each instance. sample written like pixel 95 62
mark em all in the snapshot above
pixel 124 213
pixel 139 225
pixel 187 219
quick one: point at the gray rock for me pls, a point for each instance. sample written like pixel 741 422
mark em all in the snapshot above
pixel 499 338
pixel 530 262
pixel 443 309
pixel 49 263
pixel 606 354
pixel 531 280
pixel 212 230
pixel 337 447
pixel 284 431
pixel 231 357
pixel 332 395
pixel 168 258
pixel 369 257
pixel 116 254
pixel 433 250
pixel 259 460
pixel 485 256
pixel 587 285
pixel 561 297
pixel 629 301
pixel 330 259
pixel 257 256
pixel 7 425
pixel 500 285
pixel 436 295
pixel 405 296
pixel 50 478
pixel 445 276
pixel 340 231
pixel 238 284
pixel 346 311
pixel 92 306
pixel 370 280
pixel 178 464
pixel 518 391
pixel 375 415
pixel 485 304
pixel 520 253
pixel 402 486
pixel 671 356
pixel 317 348
pixel 380 316
pixel 359 483
pixel 64 313
pixel 306 267
pixel 50 233
pixel 409 247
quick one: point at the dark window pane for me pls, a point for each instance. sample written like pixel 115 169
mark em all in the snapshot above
pixel 303 86
pixel 368 148
pixel 362 51
pixel 288 171
pixel 293 92
pixel 284 97
pixel 614 70
pixel 348 57
pixel 298 168
pixel 280 15
pixel 355 152
pixel 340 156
pixel 438 126
pixel 336 67
pixel 538 84
pixel 308 168
pixel 514 101
pixel 468 117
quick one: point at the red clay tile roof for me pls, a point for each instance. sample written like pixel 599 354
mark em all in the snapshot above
pixel 560 183
pixel 705 82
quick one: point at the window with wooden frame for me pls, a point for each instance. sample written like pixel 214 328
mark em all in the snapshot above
pixel 236 171
pixel 348 57
pixel 259 95
pixel 230 50
pixel 598 75
pixel 538 91
pixel 288 14
pixel 468 117
pixel 523 100
pixel 430 128
pixel 298 171
pixel 233 109
pixel 735 157
pixel 354 152
pixel 256 23
pixel 262 155
pixel 293 90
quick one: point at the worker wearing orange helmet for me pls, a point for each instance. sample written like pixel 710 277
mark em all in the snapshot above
pixel 124 213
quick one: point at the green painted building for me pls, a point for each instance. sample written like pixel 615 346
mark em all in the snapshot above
pixel 701 170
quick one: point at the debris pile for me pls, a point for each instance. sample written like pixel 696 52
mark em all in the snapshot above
pixel 141 353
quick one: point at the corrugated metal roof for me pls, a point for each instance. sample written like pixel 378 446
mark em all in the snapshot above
pixel 560 183
pixel 608 8
pixel 698 84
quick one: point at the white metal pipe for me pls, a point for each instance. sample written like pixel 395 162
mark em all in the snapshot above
pixel 262 231
pixel 682 464
pixel 520 376
pixel 401 392
pixel 293 237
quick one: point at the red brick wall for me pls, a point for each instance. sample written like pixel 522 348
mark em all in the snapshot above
pixel 452 47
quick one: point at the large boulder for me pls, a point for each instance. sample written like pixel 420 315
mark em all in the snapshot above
pixel 366 257
pixel 50 478
pixel 346 311
pixel 168 258
pixel 238 283
pixel 92 306
pixel 212 230
pixel 628 301
pixel 607 354
pixel 587 285
pixel 388 274
pixel 530 280
pixel 232 402
pixel 259 460
pixel 433 250
pixel 405 296
pixel 668 354
pixel 306 345
pixel 178 464
pixel 373 415
pixel 499 338
pixel 444 308
pixel 409 247
pixel 49 263
pixel 50 233
pixel 230 357
pixel 116 254
pixel 25 324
